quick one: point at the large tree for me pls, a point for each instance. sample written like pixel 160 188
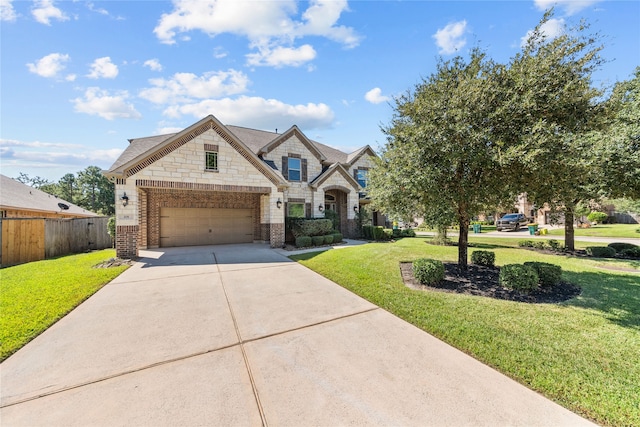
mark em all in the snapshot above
pixel 96 191
pixel 441 156
pixel 552 112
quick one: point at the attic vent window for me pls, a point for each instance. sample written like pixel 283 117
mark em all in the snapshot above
pixel 211 161
pixel 63 206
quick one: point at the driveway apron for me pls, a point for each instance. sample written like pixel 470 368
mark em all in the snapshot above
pixel 241 335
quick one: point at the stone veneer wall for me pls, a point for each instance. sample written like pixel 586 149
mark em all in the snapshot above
pixel 165 198
pixel 127 241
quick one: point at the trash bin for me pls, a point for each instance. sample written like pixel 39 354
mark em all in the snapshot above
pixel 533 228
pixel 477 228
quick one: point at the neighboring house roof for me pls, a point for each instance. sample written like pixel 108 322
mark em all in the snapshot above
pixel 18 196
pixel 256 141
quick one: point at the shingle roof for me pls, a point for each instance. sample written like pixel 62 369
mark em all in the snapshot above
pixel 16 195
pixel 254 139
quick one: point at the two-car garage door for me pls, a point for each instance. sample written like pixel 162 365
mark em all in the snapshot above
pixel 203 226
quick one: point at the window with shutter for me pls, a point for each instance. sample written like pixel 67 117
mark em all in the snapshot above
pixel 295 169
pixel 285 167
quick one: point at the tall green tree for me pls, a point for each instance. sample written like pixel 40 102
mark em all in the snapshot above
pixel 96 191
pixel 617 148
pixel 441 154
pixel 551 112
pixel 68 188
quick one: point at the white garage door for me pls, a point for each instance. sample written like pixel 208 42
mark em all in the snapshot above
pixel 202 226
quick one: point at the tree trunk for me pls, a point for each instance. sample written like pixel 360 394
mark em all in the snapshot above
pixel 569 242
pixel 463 243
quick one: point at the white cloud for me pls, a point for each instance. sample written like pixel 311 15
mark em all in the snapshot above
pixel 154 64
pixel 7 12
pixel 103 68
pixel 92 7
pixel 375 96
pixel 184 87
pixel 36 154
pixel 282 56
pixel 50 65
pixel 569 6
pixel 98 102
pixel 549 30
pixel 44 11
pixel 451 38
pixel 259 113
pixel 270 26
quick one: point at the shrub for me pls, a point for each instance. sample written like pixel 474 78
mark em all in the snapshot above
pixel 621 246
pixel 487 258
pixel 367 231
pixel 548 274
pixel 317 240
pixel 428 271
pixel 539 245
pixel 596 217
pixel 525 243
pixel 408 233
pixel 328 239
pixel 601 251
pixel 303 241
pixel 378 233
pixel 310 227
pixel 631 252
pixel 519 277
pixel 555 245
pixel 337 237
pixel 396 232
pixel 387 234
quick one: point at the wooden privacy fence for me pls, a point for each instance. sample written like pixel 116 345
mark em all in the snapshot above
pixel 34 239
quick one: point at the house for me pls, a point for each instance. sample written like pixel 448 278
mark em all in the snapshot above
pixel 18 200
pixel 215 184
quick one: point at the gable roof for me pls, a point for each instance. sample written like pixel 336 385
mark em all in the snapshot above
pixel 253 141
pixel 19 196
pixel 293 131
pixel 334 168
pixel 142 152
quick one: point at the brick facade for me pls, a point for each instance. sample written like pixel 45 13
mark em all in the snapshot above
pixel 127 241
pixel 277 235
pixel 164 198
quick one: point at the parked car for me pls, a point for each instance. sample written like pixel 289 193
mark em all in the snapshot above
pixel 512 221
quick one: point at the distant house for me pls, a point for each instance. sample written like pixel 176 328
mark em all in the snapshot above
pixel 18 200
pixel 212 184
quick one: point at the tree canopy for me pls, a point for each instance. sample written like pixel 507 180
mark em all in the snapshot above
pixel 90 189
pixel 441 158
pixel 475 134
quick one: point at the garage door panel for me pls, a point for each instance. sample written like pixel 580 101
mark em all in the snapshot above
pixel 202 226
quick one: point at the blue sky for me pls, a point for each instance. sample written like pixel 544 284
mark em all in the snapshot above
pixel 78 79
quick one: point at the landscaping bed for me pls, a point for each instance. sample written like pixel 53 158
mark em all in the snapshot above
pixel 483 281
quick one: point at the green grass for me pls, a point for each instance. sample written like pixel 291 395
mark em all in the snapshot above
pixel 603 230
pixel 582 354
pixel 34 296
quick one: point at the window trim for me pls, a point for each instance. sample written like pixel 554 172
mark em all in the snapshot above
pixel 298 169
pixel 366 180
pixel 290 204
pixel 206 161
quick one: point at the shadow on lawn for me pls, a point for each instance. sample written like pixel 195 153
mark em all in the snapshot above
pixel 618 296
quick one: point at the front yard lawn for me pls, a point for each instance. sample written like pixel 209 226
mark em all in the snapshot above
pixel 34 296
pixel 582 353
pixel 603 230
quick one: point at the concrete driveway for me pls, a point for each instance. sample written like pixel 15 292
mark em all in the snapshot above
pixel 240 335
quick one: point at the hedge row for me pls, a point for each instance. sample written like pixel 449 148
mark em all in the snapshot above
pixel 371 232
pixel 327 239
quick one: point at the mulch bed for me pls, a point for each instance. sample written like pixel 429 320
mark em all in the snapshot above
pixel 483 281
